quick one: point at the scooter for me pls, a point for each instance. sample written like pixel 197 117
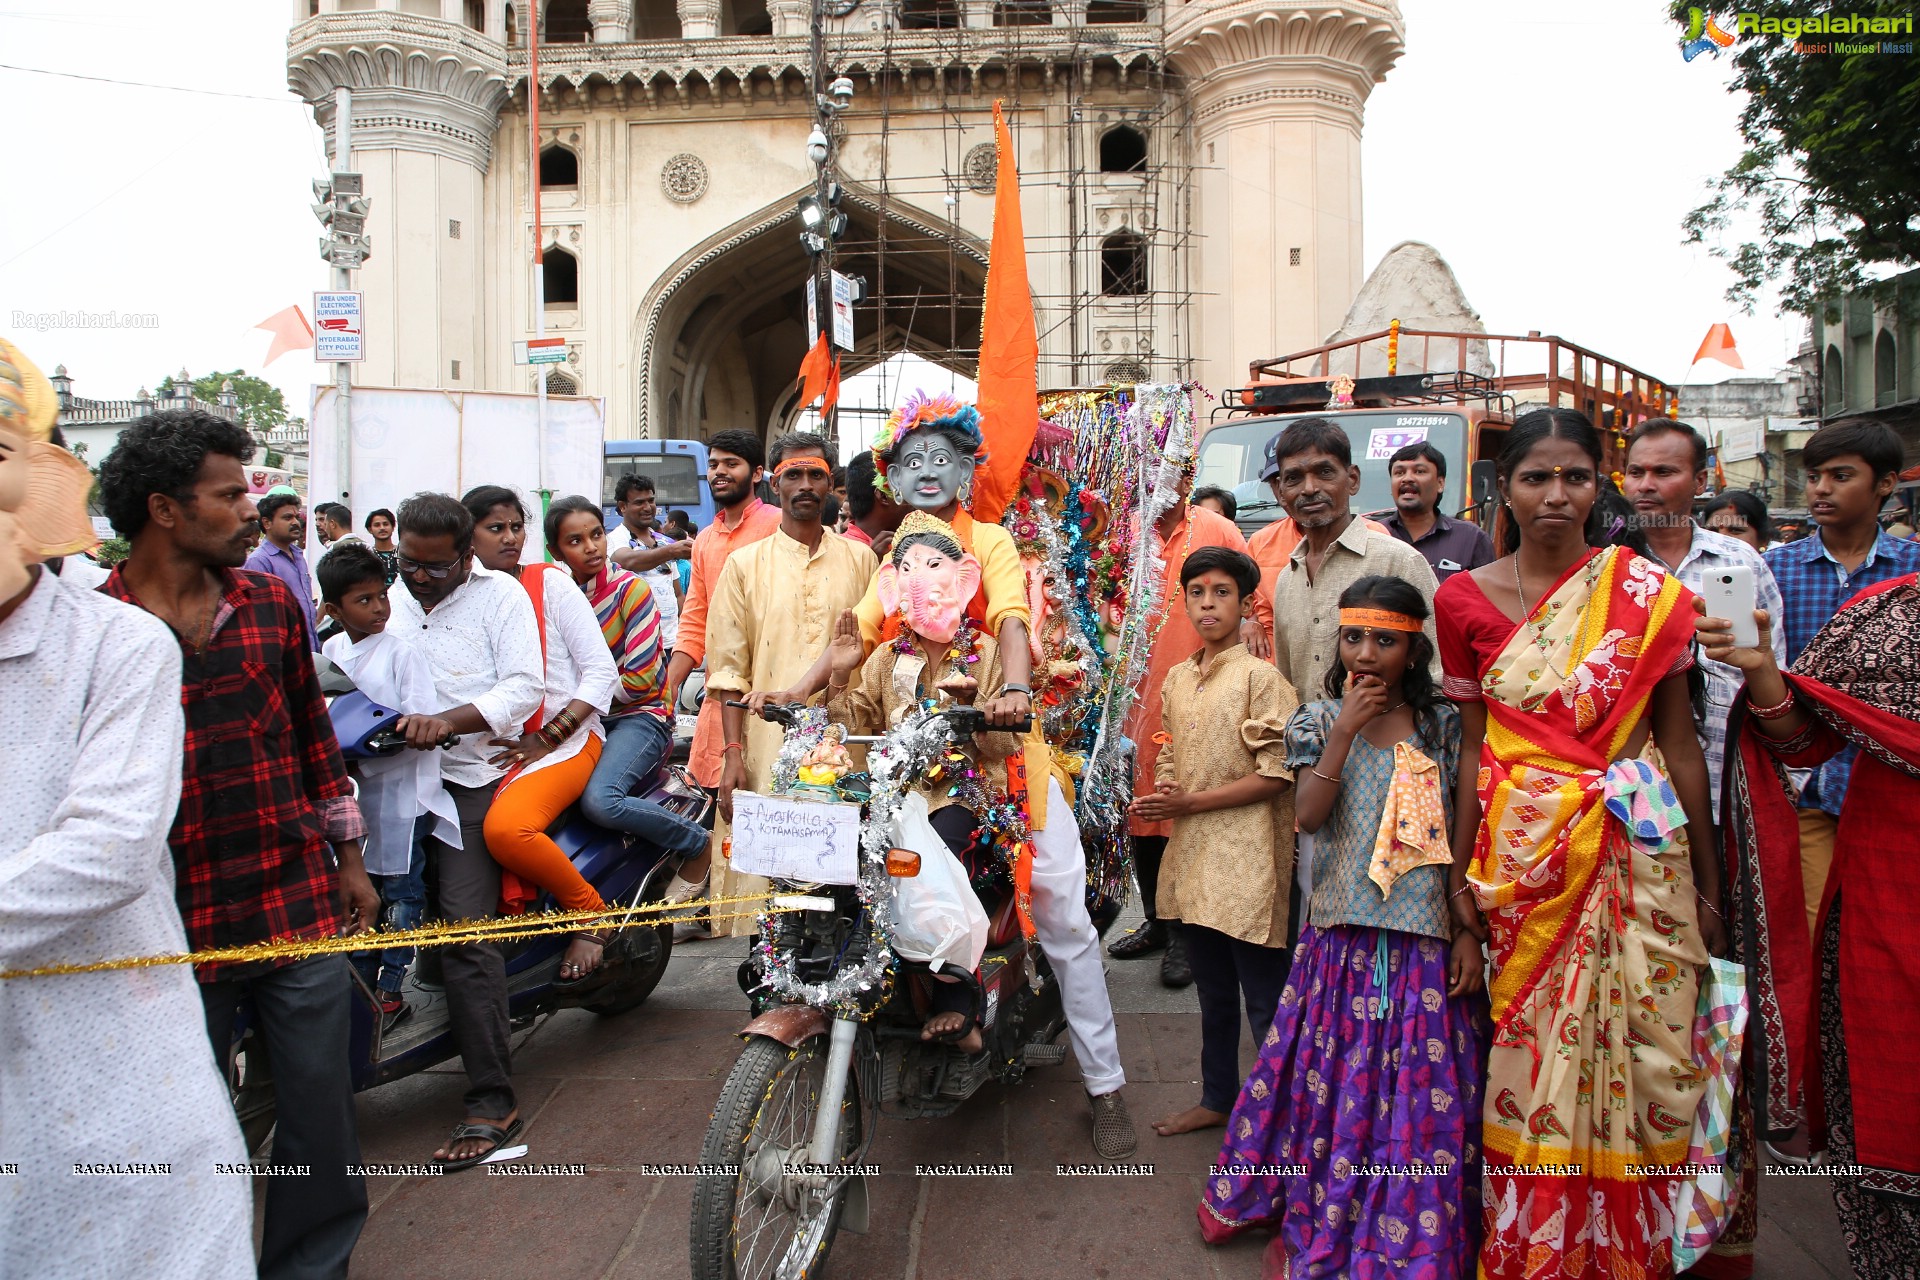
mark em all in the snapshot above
pixel 782 1162
pixel 625 870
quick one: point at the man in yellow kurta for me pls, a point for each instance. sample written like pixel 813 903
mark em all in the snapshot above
pixel 772 615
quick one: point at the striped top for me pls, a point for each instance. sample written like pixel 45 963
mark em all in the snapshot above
pixel 630 621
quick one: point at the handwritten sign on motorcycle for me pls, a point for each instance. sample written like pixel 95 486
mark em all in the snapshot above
pixel 801 840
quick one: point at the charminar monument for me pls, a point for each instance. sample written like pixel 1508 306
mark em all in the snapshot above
pixel 1190 184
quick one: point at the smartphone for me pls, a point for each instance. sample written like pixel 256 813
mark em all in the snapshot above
pixel 1729 594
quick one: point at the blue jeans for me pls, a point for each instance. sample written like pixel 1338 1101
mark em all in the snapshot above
pixel 403 903
pixel 636 743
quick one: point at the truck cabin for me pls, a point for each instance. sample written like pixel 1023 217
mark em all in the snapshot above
pixel 1458 391
pixel 1459 415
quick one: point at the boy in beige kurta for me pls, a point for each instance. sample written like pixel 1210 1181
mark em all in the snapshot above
pixel 1222 780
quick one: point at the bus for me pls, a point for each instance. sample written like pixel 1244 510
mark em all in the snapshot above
pixel 678 469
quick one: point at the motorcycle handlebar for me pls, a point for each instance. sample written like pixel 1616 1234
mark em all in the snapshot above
pixel 964 720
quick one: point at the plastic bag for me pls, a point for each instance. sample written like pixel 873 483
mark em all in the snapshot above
pixel 937 919
pixel 1703 1204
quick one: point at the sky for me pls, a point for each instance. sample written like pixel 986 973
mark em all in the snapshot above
pixel 1548 154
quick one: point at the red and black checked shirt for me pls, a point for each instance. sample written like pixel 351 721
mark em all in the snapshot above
pixel 264 788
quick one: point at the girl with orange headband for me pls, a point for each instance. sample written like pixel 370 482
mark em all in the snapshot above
pixel 1384 1004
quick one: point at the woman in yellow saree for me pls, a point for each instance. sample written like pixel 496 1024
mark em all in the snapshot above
pixel 1584 855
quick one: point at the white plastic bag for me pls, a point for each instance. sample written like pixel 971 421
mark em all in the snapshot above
pixel 937 919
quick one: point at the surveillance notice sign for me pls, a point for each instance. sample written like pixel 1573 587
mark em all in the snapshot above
pixel 338 335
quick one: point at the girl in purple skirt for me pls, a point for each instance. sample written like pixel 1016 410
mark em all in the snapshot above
pixel 1357 1136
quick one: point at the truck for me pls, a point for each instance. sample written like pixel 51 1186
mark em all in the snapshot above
pixel 1459 391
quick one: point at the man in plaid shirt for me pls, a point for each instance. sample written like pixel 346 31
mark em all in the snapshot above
pixel 263 798
pixel 1852 467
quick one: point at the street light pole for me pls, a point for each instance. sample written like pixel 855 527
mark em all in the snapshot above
pixel 343 281
pixel 822 284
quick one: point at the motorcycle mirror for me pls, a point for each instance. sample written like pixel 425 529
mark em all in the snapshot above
pixel 903 864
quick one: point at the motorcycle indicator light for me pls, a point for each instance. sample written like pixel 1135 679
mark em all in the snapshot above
pixel 903 863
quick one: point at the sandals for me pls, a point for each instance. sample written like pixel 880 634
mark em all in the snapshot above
pixel 498 1136
pixel 600 974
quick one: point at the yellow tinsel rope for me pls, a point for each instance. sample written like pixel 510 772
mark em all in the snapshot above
pixel 442 934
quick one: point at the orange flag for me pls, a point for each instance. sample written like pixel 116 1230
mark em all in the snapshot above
pixel 1718 345
pixel 1009 345
pixel 814 370
pixel 831 396
pixel 290 331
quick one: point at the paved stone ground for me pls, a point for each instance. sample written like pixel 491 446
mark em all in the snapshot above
pixel 619 1093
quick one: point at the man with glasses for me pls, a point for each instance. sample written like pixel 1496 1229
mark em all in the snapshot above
pixel 483 646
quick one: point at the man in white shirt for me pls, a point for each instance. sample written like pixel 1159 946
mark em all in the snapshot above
pixel 633 545
pixel 1666 469
pixel 478 631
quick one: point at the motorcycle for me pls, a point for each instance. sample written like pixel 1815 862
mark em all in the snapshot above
pixel 625 870
pixel 781 1167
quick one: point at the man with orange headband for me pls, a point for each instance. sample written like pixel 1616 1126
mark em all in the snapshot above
pixel 773 613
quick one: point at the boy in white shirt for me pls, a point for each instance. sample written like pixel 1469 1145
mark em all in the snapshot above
pixel 401 796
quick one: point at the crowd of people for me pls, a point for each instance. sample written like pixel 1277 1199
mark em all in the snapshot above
pixel 1454 828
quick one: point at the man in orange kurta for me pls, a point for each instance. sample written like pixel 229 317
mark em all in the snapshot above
pixel 1182 530
pixel 734 466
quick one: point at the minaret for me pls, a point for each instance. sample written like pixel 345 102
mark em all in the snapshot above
pixel 426 100
pixel 1276 90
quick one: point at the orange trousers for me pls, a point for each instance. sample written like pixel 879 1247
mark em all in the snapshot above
pixel 517 824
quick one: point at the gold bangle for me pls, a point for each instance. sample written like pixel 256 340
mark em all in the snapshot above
pixel 1323 777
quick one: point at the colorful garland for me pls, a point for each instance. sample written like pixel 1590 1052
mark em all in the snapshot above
pixel 894 764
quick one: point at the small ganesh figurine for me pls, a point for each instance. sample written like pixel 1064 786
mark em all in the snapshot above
pixel 828 762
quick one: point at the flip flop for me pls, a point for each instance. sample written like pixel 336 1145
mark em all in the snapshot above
pixel 493 1133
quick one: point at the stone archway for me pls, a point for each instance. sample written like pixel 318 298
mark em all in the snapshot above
pixel 720 336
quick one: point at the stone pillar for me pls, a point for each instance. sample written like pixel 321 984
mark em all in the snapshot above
pixel 789 16
pixel 1069 13
pixel 427 97
pixel 699 19
pixel 612 20
pixel 976 13
pixel 1277 90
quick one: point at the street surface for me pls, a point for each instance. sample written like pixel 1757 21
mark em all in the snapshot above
pixel 620 1094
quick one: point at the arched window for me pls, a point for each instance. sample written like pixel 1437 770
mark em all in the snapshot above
pixel 923 15
pixel 1123 265
pixel 567 23
pixel 1884 381
pixel 562 278
pixel 1123 150
pixel 1116 11
pixel 1833 392
pixel 476 14
pixel 559 167
pixel 513 26
pixel 1023 13
pixel 559 384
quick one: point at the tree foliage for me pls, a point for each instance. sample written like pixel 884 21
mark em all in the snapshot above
pixel 262 406
pixel 1830 169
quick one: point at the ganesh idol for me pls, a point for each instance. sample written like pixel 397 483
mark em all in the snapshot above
pixel 930 454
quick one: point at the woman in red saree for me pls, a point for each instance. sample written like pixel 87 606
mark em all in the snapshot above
pixel 1819 1003
pixel 1584 852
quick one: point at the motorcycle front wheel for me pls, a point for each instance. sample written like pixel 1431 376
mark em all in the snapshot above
pixel 758 1214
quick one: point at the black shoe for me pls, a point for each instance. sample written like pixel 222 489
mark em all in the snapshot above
pixel 1175 972
pixel 1141 940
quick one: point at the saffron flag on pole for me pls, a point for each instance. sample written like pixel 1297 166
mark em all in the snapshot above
pixel 814 370
pixel 290 331
pixel 1718 345
pixel 1009 345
